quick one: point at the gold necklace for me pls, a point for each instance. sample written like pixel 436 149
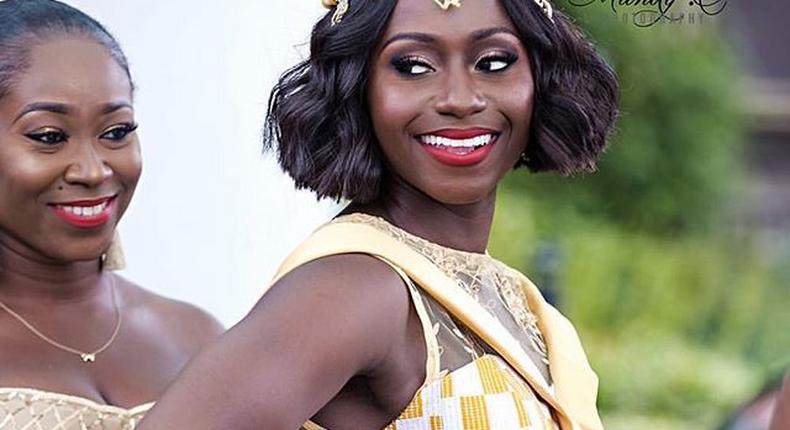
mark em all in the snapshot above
pixel 87 357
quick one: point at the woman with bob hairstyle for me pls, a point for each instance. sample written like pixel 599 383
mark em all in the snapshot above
pixel 81 348
pixel 393 315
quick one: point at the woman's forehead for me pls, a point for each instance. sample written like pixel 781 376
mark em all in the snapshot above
pixel 430 17
pixel 72 68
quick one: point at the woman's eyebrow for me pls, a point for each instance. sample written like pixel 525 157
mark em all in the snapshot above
pixel 54 107
pixel 488 32
pixel 419 37
pixel 114 106
pixel 64 109
pixel 429 38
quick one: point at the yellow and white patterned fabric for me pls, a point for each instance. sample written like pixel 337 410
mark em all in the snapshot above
pixel 498 356
pixel 483 395
pixel 29 409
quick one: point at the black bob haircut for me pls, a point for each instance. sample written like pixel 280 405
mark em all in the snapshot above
pixel 319 124
pixel 25 23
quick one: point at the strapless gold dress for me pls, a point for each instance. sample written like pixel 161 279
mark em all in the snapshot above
pixel 30 409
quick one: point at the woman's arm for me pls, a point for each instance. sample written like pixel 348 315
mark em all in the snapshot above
pixel 315 329
pixel 781 420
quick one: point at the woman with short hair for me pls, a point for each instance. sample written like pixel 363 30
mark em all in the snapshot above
pixel 393 315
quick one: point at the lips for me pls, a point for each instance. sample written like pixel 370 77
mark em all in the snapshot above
pixel 459 147
pixel 85 213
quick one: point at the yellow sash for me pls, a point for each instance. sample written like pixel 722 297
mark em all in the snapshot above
pixel 575 383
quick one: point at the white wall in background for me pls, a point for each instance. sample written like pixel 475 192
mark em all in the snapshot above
pixel 212 217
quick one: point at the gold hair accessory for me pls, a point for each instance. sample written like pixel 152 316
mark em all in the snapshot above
pixel 445 4
pixel 87 357
pixel 545 6
pixel 341 7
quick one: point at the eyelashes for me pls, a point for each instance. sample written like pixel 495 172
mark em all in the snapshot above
pixel 48 136
pixel 51 137
pixel 119 132
pixel 415 66
pixel 496 62
pixel 412 66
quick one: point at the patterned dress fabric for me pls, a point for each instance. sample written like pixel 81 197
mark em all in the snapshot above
pixel 483 395
pixel 29 409
pixel 475 388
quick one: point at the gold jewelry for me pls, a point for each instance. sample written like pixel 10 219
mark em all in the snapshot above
pixel 87 357
pixel 445 4
pixel 545 6
pixel 341 7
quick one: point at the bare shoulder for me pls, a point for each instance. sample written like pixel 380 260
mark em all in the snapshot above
pixel 356 281
pixel 319 326
pixel 356 294
pixel 188 325
pixel 338 270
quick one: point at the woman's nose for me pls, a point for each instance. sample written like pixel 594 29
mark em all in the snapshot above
pixel 88 167
pixel 460 96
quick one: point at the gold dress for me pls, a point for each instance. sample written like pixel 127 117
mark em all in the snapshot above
pixel 30 409
pixel 498 356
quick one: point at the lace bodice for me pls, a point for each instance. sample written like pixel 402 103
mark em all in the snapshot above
pixel 490 282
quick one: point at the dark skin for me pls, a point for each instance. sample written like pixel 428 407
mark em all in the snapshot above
pixel 67 134
pixel 781 418
pixel 358 359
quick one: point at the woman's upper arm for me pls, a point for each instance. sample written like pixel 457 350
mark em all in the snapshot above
pixel 316 328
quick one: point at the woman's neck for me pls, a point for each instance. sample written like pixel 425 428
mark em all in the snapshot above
pixel 26 276
pixel 464 227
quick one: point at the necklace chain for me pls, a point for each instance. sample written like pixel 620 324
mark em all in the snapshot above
pixel 86 356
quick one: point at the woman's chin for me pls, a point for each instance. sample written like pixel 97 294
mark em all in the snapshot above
pixel 78 251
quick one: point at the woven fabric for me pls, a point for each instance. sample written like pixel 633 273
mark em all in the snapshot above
pixel 483 395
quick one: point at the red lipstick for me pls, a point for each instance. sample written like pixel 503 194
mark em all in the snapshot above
pixel 465 133
pixel 85 213
pixel 459 147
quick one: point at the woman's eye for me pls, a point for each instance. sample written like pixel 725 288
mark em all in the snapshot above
pixel 48 136
pixel 119 132
pixel 412 66
pixel 495 63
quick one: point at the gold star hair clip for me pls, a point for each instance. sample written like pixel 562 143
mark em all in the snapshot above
pixel 341 7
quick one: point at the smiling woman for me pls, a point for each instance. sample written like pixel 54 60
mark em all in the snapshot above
pixel 393 315
pixel 70 142
pixel 78 344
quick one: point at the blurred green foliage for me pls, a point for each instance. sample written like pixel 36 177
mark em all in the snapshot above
pixel 683 318
pixel 675 153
